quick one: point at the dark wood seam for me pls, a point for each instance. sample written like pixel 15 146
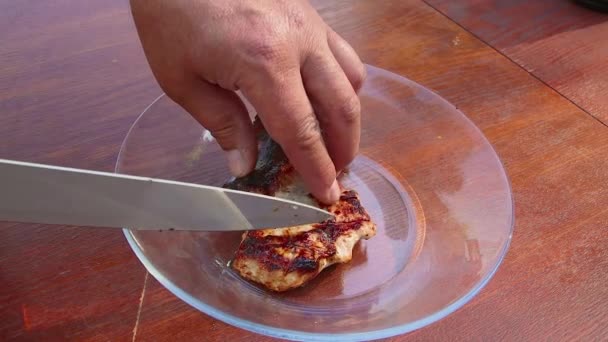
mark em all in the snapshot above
pixel 514 62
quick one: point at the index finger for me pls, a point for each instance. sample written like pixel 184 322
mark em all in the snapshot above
pixel 283 106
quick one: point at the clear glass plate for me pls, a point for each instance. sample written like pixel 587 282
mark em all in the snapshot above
pixel 429 179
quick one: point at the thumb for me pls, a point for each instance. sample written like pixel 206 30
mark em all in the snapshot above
pixel 223 113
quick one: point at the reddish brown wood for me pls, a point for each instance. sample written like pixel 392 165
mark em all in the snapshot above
pixel 73 78
pixel 560 42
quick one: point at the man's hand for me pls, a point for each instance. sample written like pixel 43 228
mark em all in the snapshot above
pixel 286 61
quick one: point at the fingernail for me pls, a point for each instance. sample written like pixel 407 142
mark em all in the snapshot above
pixel 334 192
pixel 237 163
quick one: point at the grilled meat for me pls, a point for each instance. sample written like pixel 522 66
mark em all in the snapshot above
pixel 286 258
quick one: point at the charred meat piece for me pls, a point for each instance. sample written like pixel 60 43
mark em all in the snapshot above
pixel 286 258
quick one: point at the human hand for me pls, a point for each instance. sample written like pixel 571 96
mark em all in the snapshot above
pixel 298 74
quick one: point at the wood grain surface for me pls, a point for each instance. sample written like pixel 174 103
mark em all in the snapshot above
pixel 558 41
pixel 73 79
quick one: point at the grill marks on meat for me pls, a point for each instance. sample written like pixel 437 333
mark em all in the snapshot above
pixel 286 258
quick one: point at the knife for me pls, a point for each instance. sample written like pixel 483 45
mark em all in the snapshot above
pixel 37 193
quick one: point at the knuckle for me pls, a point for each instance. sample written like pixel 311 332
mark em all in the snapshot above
pixel 349 110
pixel 265 51
pixel 223 132
pixel 296 18
pixel 307 135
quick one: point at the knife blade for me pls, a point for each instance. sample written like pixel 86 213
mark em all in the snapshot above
pixel 38 193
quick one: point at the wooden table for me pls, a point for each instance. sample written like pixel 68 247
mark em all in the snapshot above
pixel 533 75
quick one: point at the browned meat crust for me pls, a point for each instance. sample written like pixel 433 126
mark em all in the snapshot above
pixel 272 170
pixel 285 258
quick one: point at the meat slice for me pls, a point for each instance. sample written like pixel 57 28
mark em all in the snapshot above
pixel 286 258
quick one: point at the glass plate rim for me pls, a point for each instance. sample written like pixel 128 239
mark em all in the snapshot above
pixel 300 335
